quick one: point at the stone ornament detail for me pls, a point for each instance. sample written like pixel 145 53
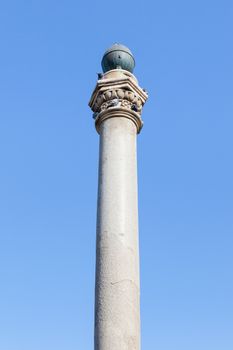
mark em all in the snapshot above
pixel 118 98
pixel 117 94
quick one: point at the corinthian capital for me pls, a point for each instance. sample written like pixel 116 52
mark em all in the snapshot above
pixel 117 94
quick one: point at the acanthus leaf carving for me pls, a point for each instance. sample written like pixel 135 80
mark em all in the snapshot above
pixel 118 98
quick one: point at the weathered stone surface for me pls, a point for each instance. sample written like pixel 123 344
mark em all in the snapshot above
pixel 117 320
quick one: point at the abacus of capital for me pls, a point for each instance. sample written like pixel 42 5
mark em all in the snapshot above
pixel 117 103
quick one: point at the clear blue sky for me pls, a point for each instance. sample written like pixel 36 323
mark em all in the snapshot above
pixel 50 54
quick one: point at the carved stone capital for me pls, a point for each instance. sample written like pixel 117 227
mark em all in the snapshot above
pixel 117 94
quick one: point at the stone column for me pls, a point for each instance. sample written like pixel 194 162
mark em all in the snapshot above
pixel 117 103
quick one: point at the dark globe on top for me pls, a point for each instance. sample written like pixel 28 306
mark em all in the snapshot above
pixel 118 57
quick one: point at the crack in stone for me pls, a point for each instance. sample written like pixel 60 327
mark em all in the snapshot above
pixel 125 280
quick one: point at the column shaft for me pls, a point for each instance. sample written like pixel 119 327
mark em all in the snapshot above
pixel 117 304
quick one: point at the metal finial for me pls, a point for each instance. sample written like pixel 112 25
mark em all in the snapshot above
pixel 118 57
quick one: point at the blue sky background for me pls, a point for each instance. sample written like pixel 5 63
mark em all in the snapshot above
pixel 50 54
